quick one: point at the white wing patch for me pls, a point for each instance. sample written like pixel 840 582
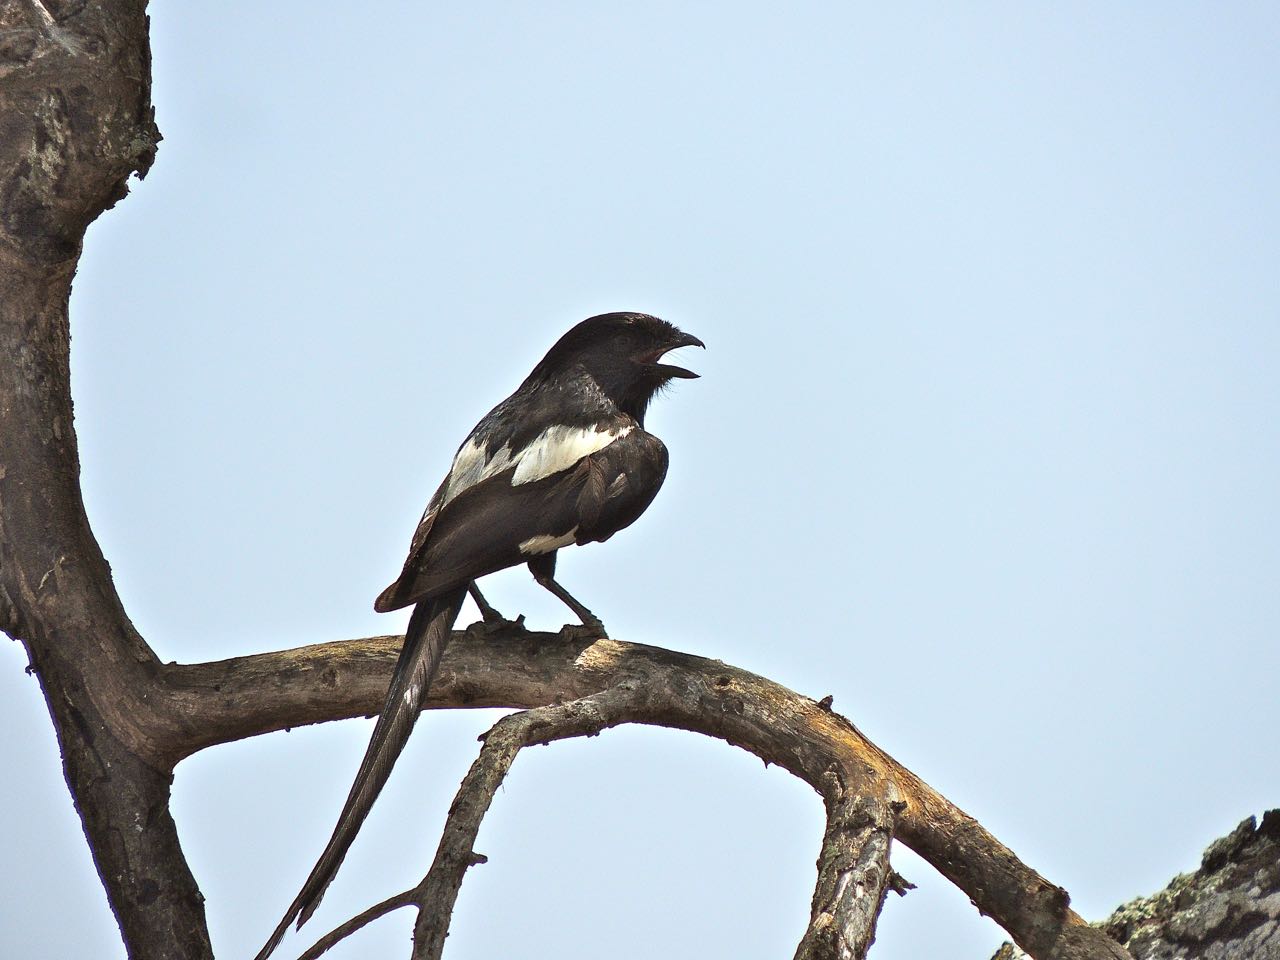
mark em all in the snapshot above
pixel 559 448
pixel 546 542
pixel 470 467
pixel 556 448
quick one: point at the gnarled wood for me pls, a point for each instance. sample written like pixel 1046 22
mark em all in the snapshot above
pixel 513 667
pixel 853 876
pixel 853 869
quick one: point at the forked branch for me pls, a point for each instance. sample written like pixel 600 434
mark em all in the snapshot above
pixel 438 891
pixel 853 868
pixel 513 667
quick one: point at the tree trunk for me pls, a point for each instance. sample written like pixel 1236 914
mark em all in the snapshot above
pixel 75 122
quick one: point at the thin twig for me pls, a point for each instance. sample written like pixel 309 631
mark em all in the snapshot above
pixel 437 894
pixel 438 891
pixel 339 933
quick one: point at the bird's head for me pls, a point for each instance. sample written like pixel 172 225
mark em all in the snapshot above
pixel 623 353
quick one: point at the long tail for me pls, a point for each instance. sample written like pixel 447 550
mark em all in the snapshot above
pixel 424 643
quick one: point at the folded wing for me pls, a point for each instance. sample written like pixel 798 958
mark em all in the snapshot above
pixel 508 517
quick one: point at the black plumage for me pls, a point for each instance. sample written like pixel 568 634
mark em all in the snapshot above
pixel 565 459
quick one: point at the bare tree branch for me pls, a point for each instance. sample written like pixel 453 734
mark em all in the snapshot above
pixel 436 895
pixel 438 892
pixel 853 868
pixel 513 667
pixel 853 876
pixel 406 898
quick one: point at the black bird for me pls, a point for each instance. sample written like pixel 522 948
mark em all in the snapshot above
pixel 565 459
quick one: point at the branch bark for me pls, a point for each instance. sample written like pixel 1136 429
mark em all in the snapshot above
pixel 514 667
pixel 853 876
pixel 1228 909
pixel 853 869
pixel 438 892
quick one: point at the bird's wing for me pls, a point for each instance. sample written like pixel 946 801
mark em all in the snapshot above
pixel 478 459
pixel 575 486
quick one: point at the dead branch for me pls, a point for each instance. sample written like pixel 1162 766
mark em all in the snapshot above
pixel 76 122
pixel 406 898
pixel 853 868
pixel 438 892
pixel 514 667
pixel 853 876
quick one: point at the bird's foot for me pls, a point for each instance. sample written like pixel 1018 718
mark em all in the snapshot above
pixel 487 610
pixel 589 629
pixel 494 618
pixel 498 626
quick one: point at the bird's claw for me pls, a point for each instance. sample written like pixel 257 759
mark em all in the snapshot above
pixel 487 610
pixel 588 629
pixel 496 626
pixel 496 619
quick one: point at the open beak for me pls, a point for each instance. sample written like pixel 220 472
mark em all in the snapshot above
pixel 670 370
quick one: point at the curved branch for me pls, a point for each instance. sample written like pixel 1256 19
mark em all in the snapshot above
pixel 438 892
pixel 853 869
pixel 406 898
pixel 513 667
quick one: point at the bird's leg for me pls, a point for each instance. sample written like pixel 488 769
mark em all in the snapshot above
pixel 486 609
pixel 543 569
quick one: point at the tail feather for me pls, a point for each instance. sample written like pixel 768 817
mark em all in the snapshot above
pixel 424 643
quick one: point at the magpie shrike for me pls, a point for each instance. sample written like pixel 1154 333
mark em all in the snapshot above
pixel 563 460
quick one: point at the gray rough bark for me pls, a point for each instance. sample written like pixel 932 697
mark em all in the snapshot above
pixel 75 123
pixel 853 876
pixel 1228 909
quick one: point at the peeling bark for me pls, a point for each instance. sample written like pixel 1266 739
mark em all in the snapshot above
pixel 853 877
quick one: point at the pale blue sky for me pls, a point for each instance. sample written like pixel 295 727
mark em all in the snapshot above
pixel 986 444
